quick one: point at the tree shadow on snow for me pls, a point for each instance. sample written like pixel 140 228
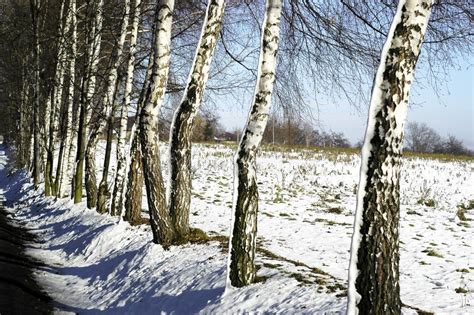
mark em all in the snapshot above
pixel 188 302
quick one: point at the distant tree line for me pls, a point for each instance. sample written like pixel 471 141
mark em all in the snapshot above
pixel 422 138
pixel 296 131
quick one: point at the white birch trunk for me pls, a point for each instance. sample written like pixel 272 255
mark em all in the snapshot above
pixel 47 122
pixel 65 179
pixel 242 244
pixel 93 136
pixel 117 196
pixel 93 53
pixel 109 100
pixel 179 180
pixel 134 165
pixel 163 231
pixel 94 62
pixel 374 268
pixel 57 93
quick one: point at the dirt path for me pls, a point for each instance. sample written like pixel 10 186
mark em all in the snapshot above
pixel 19 292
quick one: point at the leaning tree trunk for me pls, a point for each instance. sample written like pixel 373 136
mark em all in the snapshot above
pixel 94 42
pixel 109 100
pixel 117 195
pixel 36 128
pixel 374 269
pixel 134 179
pixel 162 227
pixel 179 184
pixel 65 179
pixel 244 227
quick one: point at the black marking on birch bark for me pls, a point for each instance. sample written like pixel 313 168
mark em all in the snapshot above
pixel 378 254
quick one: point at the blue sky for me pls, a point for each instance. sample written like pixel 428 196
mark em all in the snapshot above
pixel 450 112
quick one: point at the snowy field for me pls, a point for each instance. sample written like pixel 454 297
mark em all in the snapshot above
pixel 307 200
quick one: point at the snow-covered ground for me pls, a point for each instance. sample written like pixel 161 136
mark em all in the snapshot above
pixel 307 199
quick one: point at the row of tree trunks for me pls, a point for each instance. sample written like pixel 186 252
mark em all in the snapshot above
pixel 62 122
pixel 109 104
pixel 374 268
pixel 57 89
pixel 245 206
pixel 117 203
pixel 93 43
pixel 63 172
pixel 92 131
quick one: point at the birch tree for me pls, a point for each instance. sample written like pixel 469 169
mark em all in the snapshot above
pixel 179 183
pixel 57 90
pixel 161 224
pixel 117 196
pixel 88 89
pixel 62 121
pixel 109 106
pixel 242 245
pixel 35 7
pixel 64 173
pixel 90 178
pixel 134 179
pixel 374 268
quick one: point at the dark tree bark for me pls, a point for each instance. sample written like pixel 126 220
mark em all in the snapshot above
pixel 374 270
pixel 48 169
pixel 103 191
pixel 90 177
pixel 133 194
pixel 134 179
